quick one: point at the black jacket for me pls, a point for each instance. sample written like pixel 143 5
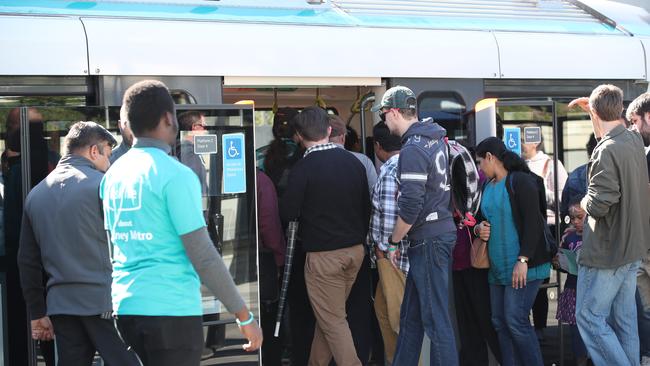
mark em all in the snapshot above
pixel 529 215
pixel 328 194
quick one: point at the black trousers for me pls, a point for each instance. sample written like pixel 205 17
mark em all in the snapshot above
pixel 47 351
pixel 377 354
pixel 78 337
pixel 540 308
pixel 301 316
pixel 164 340
pixel 472 300
pixel 361 312
pixel 17 323
pixel 272 346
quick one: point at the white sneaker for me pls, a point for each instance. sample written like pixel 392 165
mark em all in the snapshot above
pixel 645 361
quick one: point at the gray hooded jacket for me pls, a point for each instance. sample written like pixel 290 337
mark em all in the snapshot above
pixel 425 198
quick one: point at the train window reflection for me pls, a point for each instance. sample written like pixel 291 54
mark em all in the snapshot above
pixel 446 109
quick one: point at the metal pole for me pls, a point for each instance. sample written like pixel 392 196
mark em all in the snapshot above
pixel 25 167
pixel 362 116
pixel 556 209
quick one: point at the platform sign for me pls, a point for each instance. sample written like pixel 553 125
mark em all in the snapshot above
pixel 205 144
pixel 234 163
pixel 532 135
pixel 512 139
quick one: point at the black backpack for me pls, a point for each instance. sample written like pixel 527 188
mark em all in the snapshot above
pixel 464 183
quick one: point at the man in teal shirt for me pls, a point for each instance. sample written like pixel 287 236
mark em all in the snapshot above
pixel 161 247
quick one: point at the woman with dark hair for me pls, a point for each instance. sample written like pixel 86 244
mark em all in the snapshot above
pixel 514 213
pixel 283 151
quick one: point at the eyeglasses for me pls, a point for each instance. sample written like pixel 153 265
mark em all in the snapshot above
pixel 382 114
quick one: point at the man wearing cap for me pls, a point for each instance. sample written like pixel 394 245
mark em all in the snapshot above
pixel 424 214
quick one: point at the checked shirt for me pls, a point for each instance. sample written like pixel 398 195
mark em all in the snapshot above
pixel 383 215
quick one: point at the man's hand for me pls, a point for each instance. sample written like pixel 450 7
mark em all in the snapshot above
pixel 484 231
pixel 42 329
pixel 253 333
pixel 555 262
pixel 379 253
pixel 583 103
pixel 394 257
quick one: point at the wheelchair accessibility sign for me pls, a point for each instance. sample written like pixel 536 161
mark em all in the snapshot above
pixel 512 139
pixel 234 163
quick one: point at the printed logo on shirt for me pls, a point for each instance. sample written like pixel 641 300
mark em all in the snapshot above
pixel 126 197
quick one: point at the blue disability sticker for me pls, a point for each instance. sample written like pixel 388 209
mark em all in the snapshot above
pixel 512 139
pixel 234 163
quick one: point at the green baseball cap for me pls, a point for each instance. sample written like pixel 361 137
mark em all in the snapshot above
pixel 396 97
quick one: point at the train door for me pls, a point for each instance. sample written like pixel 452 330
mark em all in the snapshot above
pixel 32 143
pixel 217 143
pixel 553 139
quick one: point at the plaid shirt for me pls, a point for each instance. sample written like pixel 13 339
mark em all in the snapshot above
pixel 383 216
pixel 321 147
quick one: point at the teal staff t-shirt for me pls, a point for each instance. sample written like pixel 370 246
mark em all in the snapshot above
pixel 149 201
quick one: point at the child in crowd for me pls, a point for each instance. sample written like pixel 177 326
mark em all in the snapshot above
pixel 566 308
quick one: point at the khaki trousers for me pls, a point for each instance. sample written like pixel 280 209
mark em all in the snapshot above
pixel 329 277
pixel 388 300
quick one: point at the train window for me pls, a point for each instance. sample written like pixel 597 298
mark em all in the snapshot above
pixel 182 96
pixel 54 100
pixel 446 109
pixel 264 130
pixel 521 115
pixel 263 127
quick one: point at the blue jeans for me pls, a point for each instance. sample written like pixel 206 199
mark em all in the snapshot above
pixel 425 307
pixel 604 307
pixel 510 309
pixel 644 326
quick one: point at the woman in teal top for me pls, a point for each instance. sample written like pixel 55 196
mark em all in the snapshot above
pixel 513 199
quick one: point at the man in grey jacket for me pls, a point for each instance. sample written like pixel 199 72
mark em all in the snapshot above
pixel 616 234
pixel 62 234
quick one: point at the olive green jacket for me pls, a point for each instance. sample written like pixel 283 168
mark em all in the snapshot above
pixel 617 230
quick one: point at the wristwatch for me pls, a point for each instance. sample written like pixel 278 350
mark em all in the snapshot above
pixel 522 260
pixel 393 243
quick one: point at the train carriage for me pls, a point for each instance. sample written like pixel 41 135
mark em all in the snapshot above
pixel 476 66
